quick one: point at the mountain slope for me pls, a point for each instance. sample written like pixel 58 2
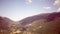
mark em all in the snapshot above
pixel 5 25
pixel 48 23
pixel 33 18
pixel 46 16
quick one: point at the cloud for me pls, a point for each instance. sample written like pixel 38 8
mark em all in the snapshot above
pixel 58 9
pixel 56 2
pixel 47 7
pixel 28 1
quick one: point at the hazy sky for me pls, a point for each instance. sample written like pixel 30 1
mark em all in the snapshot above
pixel 19 9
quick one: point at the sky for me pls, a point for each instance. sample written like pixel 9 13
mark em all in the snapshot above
pixel 19 9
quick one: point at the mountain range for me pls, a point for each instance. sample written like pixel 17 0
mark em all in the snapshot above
pixel 46 23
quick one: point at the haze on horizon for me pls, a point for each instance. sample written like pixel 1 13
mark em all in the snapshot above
pixel 19 9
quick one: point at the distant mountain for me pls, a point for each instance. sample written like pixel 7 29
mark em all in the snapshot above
pixel 46 16
pixel 48 23
pixel 33 18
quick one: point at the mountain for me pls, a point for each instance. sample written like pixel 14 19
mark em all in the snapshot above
pixel 33 18
pixel 48 23
pixel 46 16
pixel 5 25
